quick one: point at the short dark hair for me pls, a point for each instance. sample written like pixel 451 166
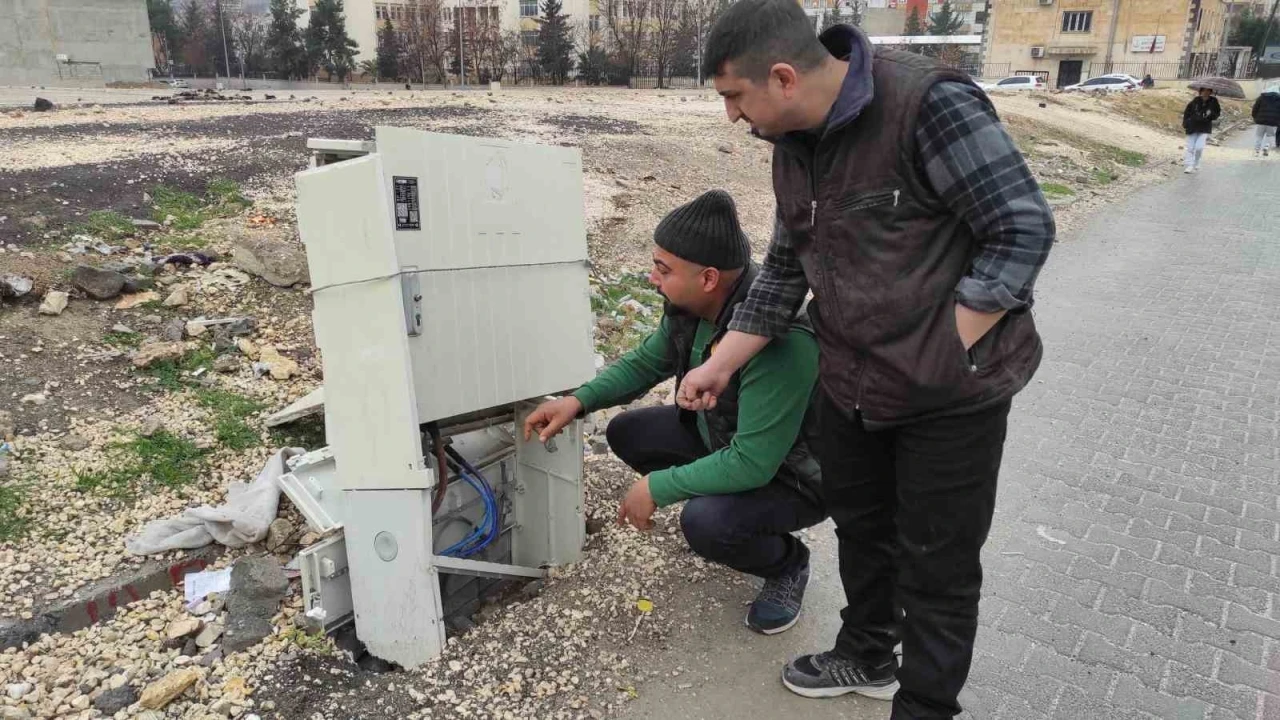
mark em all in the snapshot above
pixel 757 34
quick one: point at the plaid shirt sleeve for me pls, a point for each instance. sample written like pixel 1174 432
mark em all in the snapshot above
pixel 977 171
pixel 777 293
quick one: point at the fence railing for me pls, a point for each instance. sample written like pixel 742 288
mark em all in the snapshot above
pixel 1199 66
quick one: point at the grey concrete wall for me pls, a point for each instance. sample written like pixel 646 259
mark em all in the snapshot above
pixel 107 41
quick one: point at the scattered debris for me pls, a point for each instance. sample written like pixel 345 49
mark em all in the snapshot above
pixel 15 285
pixel 36 399
pixel 97 283
pixel 226 364
pixel 162 692
pixel 270 257
pixel 55 301
pixel 154 352
pixel 114 700
pixel 129 302
pixel 42 105
pixel 258 584
pixel 726 148
pixel 179 296
pixel 278 534
pixel 74 443
pixel 1044 533
pixel 270 361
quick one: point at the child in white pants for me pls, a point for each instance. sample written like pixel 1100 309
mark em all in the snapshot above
pixel 1263 137
pixel 1195 149
pixel 1197 121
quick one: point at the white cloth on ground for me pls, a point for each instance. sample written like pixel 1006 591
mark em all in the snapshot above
pixel 242 520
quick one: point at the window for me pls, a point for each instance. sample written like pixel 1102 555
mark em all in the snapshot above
pixel 380 12
pixel 1078 22
pixel 528 8
pixel 1015 81
pixel 593 23
pixel 529 37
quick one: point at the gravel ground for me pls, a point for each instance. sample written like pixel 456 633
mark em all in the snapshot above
pixel 577 647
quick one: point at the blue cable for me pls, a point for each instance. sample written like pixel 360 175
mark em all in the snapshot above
pixel 487 531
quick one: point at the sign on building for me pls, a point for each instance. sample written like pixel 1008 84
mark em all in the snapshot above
pixel 1271 56
pixel 1147 44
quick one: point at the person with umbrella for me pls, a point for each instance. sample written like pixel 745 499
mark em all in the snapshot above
pixel 1197 121
pixel 1266 116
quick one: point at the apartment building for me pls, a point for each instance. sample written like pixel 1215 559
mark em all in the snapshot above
pixel 1069 40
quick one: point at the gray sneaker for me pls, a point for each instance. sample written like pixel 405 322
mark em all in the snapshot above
pixel 828 675
pixel 778 605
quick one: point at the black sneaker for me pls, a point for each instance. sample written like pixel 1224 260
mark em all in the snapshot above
pixel 777 607
pixel 829 675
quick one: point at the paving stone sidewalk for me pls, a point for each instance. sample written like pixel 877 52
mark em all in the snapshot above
pixel 1132 570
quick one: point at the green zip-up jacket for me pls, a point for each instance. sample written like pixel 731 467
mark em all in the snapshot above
pixel 777 385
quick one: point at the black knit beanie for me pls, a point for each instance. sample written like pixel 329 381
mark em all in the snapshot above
pixel 705 231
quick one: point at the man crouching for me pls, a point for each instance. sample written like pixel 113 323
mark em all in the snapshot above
pixel 745 468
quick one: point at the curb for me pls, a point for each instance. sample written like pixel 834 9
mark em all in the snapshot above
pixel 100 599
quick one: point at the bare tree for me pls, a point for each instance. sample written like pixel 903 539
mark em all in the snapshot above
pixel 426 42
pixel 663 33
pixel 249 35
pixel 487 42
pixel 627 21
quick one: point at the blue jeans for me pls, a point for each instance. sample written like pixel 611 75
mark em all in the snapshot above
pixel 747 531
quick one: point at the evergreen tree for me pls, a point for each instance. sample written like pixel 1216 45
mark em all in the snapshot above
pixel 555 42
pixel 946 21
pixel 388 51
pixel 593 66
pixel 286 54
pixel 914 25
pixel 328 45
pixel 684 62
pixel 1251 29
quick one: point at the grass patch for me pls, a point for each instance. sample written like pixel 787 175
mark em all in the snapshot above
pixel 123 339
pixel 305 433
pixel 13 497
pixel 620 306
pixel 163 460
pixel 171 374
pixel 1128 158
pixel 1056 190
pixel 1104 176
pixel 222 198
pixel 107 225
pixel 229 414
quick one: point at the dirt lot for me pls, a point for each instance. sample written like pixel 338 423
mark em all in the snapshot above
pixel 98 446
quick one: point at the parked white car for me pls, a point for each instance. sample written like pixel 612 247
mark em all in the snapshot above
pixel 178 84
pixel 1124 76
pixel 1017 82
pixel 1106 83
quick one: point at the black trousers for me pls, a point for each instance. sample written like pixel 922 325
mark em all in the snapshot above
pixel 912 507
pixel 747 531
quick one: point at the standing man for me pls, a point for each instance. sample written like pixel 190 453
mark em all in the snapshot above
pixel 744 468
pixel 907 210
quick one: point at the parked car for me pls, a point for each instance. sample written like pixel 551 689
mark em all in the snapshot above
pixel 178 84
pixel 1018 82
pixel 1124 76
pixel 1105 83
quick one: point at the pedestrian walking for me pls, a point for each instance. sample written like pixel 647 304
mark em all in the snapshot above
pixel 1197 121
pixel 906 208
pixel 1266 116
